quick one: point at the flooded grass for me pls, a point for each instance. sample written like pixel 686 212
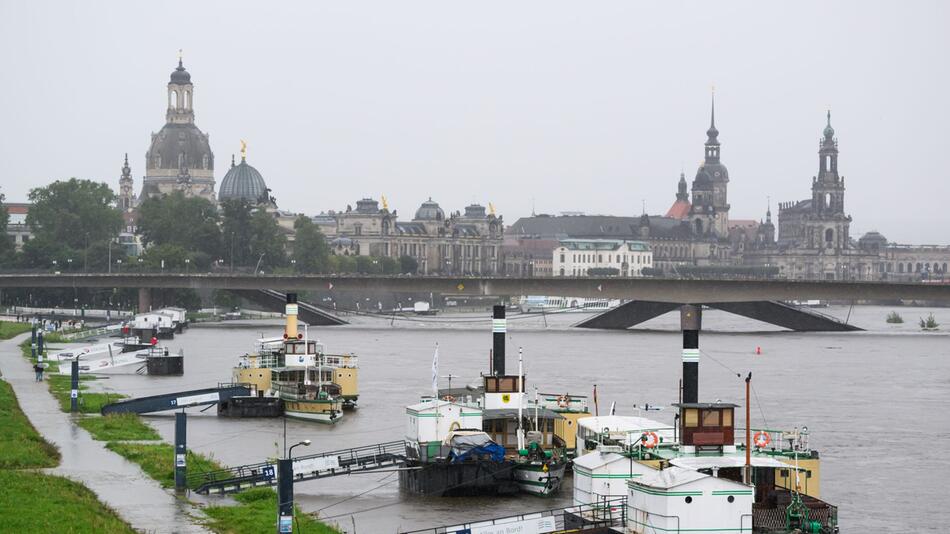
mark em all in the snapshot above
pixel 118 427
pixel 256 512
pixel 34 502
pixel 21 446
pixel 9 329
pixel 158 460
pixel 60 387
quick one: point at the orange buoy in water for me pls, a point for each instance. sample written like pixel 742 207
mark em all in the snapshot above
pixel 758 350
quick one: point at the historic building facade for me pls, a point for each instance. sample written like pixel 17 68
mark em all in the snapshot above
pixel 582 257
pixel 466 242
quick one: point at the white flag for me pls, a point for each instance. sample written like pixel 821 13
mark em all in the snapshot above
pixel 435 373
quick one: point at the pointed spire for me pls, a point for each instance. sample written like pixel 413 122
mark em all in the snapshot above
pixel 768 210
pixel 829 131
pixel 232 160
pixel 712 133
pixel 180 66
pixel 126 159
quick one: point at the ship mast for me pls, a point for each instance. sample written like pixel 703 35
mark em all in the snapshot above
pixel 520 399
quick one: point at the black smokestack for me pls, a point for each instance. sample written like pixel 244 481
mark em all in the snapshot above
pixel 498 329
pixel 691 323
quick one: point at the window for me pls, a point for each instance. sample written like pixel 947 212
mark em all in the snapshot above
pixel 689 499
pixel 710 417
pixel 691 418
pixel 727 418
pixel 562 258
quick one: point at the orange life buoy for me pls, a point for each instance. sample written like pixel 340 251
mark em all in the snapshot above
pixel 762 439
pixel 448 398
pixel 563 401
pixel 649 439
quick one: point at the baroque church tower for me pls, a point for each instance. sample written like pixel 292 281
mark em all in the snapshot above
pixel 126 195
pixel 709 214
pixel 179 157
pixel 829 226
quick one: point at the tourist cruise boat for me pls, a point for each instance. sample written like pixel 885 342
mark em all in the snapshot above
pixel 537 436
pixel 699 475
pixel 547 304
pixel 309 383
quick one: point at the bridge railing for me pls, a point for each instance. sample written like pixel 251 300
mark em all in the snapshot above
pixel 347 458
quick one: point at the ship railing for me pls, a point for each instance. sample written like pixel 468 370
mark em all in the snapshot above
pixel 771 514
pixel 602 514
pixel 780 441
pixel 341 360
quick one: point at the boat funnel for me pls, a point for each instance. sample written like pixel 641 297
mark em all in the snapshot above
pixel 691 323
pixel 291 311
pixel 499 328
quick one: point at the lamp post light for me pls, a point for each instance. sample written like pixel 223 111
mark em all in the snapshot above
pixel 139 261
pixel 293 264
pixel 187 265
pixel 118 264
pixel 285 490
pixel 69 262
pixel 54 265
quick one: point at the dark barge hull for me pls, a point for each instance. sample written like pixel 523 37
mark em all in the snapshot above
pixel 251 407
pixel 173 365
pixel 466 479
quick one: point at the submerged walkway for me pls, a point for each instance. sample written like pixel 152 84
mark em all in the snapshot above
pixel 120 484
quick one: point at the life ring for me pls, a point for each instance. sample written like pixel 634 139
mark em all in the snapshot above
pixel 762 439
pixel 563 401
pixel 448 398
pixel 649 439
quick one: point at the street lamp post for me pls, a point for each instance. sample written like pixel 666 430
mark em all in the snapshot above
pixel 187 265
pixel 285 490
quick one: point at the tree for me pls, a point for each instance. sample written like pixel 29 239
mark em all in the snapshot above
pixel 388 265
pixel 189 222
pixel 311 251
pixel 7 247
pixel 236 232
pixel 74 220
pixel 74 213
pixel 408 265
pixel 267 242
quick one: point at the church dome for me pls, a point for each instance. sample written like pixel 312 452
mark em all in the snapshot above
pixel 179 145
pixel 872 242
pixel 429 211
pixel 180 75
pixel 243 182
pixel 475 211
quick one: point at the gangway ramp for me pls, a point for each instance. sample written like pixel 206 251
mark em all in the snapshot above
pixel 174 401
pixel 314 466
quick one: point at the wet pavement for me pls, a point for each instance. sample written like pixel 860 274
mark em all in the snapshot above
pixel 118 483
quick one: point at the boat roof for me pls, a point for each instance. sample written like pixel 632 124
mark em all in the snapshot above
pixel 621 423
pixel 670 477
pixel 718 462
pixel 512 413
pixel 593 460
pixel 433 404
pixel 705 405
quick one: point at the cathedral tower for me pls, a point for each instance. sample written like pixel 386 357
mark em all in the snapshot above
pixel 829 226
pixel 126 196
pixel 709 214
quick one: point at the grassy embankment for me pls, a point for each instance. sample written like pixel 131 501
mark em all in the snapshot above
pixel 255 511
pixel 36 502
pixel 9 329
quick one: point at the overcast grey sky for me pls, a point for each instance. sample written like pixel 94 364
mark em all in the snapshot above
pixel 587 106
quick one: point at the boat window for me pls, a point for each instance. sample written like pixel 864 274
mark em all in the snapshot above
pixel 691 417
pixel 727 418
pixel 710 417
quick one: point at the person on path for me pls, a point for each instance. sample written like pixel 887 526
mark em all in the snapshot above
pixel 38 368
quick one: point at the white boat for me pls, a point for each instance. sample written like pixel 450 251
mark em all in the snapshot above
pixel 548 304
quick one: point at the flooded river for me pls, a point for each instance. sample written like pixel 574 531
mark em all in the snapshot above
pixel 877 403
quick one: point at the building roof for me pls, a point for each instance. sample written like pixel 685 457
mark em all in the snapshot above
pixel 243 182
pixel 598 226
pixel 410 228
pixel 429 211
pixel 679 209
pixel 671 477
pixel 604 244
pixel 797 207
pixel 175 139
pixel 180 76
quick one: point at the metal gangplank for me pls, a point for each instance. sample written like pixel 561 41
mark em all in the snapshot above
pixel 594 517
pixel 314 466
pixel 174 401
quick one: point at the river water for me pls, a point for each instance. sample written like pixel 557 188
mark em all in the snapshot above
pixel 877 403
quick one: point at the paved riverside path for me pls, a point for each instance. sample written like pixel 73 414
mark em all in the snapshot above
pixel 120 484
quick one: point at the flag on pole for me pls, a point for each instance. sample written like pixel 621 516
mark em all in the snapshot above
pixel 435 372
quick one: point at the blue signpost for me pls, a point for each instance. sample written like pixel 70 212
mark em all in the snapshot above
pixel 181 450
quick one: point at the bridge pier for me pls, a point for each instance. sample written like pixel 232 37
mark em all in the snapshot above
pixel 145 299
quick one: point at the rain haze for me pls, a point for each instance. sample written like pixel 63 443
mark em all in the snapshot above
pixel 551 106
